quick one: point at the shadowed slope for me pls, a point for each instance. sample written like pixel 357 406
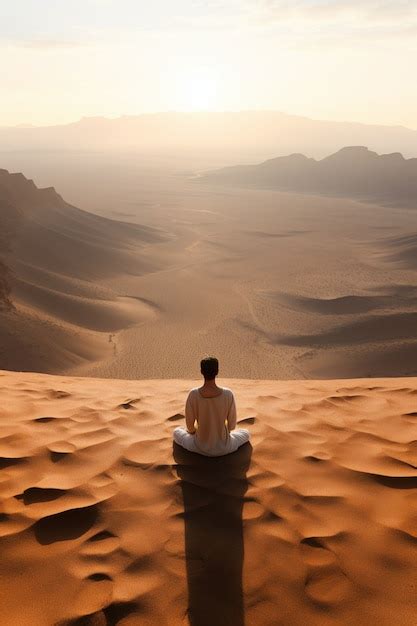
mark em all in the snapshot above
pixel 56 261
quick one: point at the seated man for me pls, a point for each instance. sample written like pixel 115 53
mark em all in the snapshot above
pixel 210 416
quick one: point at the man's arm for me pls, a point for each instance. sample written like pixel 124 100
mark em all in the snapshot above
pixel 190 416
pixel 231 415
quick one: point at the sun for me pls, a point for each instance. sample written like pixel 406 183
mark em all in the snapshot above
pixel 197 91
pixel 200 93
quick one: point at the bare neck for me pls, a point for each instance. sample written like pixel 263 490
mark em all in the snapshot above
pixel 210 384
pixel 210 390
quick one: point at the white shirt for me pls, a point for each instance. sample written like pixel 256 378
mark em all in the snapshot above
pixel 213 419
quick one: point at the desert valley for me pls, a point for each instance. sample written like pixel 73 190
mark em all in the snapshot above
pixel 281 281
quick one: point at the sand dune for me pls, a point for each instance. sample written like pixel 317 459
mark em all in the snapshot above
pixel 381 328
pixel 57 259
pixel 47 232
pixel 352 304
pixel 373 343
pixel 103 522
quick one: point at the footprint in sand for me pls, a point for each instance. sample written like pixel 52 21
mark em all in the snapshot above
pixel 111 340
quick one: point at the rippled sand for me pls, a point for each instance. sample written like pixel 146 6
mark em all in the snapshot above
pixel 103 522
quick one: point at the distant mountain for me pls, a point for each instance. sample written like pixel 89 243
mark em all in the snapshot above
pixel 223 136
pixel 55 264
pixel 353 171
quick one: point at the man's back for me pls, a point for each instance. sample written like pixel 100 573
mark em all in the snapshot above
pixel 210 415
pixel 214 416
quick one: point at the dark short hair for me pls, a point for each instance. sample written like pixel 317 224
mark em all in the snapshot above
pixel 209 367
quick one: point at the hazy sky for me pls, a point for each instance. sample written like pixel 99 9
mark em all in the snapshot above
pixel 331 59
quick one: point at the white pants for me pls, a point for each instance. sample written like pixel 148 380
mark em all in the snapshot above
pixel 188 441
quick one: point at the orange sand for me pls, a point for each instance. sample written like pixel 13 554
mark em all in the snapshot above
pixel 102 522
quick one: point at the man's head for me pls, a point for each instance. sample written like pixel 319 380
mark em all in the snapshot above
pixel 209 367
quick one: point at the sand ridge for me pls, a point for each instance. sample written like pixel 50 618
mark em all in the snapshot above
pixel 103 522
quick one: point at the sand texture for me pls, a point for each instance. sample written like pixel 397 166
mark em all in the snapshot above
pixel 102 522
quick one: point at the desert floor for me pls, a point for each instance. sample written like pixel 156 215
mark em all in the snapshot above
pixel 103 522
pixel 276 285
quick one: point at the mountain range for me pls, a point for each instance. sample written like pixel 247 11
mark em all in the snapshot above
pixel 353 171
pixel 222 137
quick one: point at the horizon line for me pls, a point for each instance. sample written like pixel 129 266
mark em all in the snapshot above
pixel 28 126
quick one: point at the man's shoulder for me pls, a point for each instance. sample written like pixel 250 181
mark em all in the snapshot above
pixel 228 392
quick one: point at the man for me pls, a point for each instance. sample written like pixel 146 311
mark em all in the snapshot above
pixel 210 416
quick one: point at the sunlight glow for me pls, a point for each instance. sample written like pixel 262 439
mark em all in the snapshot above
pixel 197 91
pixel 327 59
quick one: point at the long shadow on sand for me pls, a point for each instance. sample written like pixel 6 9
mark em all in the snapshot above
pixel 213 491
